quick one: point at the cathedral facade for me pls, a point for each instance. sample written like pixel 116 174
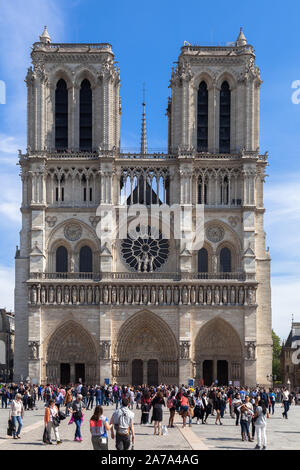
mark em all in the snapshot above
pixel 146 308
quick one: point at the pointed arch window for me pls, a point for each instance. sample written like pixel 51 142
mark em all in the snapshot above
pixel 225 260
pixel 202 118
pixel 86 106
pixel 202 261
pixel 85 260
pixel 61 260
pixel 202 190
pixel 61 115
pixel 225 109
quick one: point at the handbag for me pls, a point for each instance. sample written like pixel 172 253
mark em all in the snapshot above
pixel 46 439
pixel 61 415
pixel 10 428
pixel 56 421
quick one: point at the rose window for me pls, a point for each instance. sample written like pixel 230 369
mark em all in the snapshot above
pixel 145 250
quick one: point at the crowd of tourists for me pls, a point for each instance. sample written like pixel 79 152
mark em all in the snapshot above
pixel 250 408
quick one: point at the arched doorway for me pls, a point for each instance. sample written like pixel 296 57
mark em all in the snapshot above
pixel 137 372
pixel 71 355
pixel 218 354
pixel 145 351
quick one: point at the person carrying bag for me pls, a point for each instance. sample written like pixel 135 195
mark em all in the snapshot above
pixel 99 426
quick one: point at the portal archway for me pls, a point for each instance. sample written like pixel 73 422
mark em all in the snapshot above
pixel 218 353
pixel 145 343
pixel 71 354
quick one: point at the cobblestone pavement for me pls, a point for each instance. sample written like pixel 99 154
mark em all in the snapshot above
pixel 282 434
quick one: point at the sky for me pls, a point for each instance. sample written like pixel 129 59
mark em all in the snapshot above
pixel 146 39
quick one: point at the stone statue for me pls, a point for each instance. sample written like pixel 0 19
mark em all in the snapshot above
pixel 145 295
pixel 66 295
pixel 113 295
pixel 153 295
pixel 184 350
pixel 33 349
pixel 169 295
pixel 251 296
pixel 151 264
pixel 81 295
pixel 224 295
pixel 97 295
pixel 241 296
pixel 137 295
pixel 129 295
pixel 176 296
pixel 201 295
pixel 161 295
pixel 121 295
pixel 250 350
pixel 208 296
pixel 43 295
pixel 217 295
pixel 105 295
pixel 58 295
pixel 74 295
pixel 72 266
pixel 105 349
pixel 34 295
pixel 184 296
pixel 90 295
pixel 232 296
pixel 51 295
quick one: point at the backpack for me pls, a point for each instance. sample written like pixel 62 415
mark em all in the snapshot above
pixel 171 402
pixel 122 424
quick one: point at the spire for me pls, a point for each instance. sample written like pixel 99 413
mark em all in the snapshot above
pixel 241 40
pixel 144 133
pixel 45 38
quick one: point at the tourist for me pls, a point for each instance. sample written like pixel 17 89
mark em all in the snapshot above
pixel 285 402
pixel 122 419
pixel 145 407
pixel 99 426
pixel 91 396
pixel 77 415
pixel 171 404
pixel 68 400
pixel 51 420
pixel 184 408
pixel 4 397
pixel 157 403
pixel 260 416
pixel 272 401
pixel 246 413
pixel 17 415
pixel 236 403
pixel 218 407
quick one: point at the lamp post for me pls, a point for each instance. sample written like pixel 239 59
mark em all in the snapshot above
pixel 289 384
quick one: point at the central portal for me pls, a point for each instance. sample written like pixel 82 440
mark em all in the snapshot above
pixel 152 372
pixel 137 372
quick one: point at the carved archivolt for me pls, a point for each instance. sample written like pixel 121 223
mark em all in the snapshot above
pixel 71 343
pixel 217 338
pixel 145 333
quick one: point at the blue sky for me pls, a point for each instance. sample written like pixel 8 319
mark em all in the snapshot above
pixel 146 39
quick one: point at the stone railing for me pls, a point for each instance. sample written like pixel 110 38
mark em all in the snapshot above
pixel 239 276
pixel 108 294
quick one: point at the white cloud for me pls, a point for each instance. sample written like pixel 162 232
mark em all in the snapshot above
pixel 282 225
pixel 285 303
pixel 10 199
pixel 7 284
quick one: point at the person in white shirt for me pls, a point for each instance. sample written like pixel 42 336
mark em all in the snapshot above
pixel 16 415
pixel 285 402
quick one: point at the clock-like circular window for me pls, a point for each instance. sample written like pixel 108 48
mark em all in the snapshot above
pixel 145 250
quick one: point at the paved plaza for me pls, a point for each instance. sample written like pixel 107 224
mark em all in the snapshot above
pixel 282 434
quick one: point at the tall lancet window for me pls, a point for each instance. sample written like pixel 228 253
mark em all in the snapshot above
pixel 225 98
pixel 202 118
pixel 86 106
pixel 61 115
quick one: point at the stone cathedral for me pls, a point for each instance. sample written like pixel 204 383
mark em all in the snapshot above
pixel 147 309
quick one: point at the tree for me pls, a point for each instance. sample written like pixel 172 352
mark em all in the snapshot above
pixel 276 356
